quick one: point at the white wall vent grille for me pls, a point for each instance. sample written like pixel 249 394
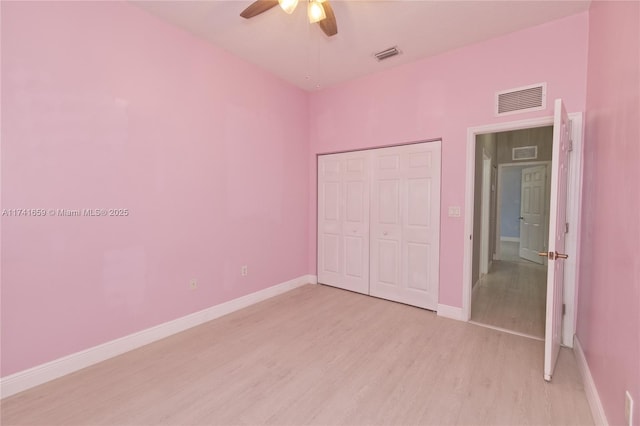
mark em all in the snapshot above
pixel 525 153
pixel 522 99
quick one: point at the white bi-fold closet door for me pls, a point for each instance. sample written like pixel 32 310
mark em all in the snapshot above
pixel 343 220
pixel 379 222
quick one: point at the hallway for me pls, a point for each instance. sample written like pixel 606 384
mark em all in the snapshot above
pixel 512 296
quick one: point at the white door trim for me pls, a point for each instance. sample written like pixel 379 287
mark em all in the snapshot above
pixel 573 213
pixel 485 204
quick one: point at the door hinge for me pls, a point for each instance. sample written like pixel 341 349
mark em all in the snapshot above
pixel 566 228
pixel 564 309
pixel 570 147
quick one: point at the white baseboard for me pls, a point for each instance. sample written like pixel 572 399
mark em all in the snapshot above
pixel 451 312
pixel 510 239
pixel 39 374
pixel 597 411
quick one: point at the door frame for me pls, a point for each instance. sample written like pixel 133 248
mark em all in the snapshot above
pixel 574 198
pixel 485 214
pixel 501 167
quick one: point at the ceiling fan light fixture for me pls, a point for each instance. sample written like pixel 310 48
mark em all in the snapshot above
pixel 319 11
pixel 288 5
pixel 315 11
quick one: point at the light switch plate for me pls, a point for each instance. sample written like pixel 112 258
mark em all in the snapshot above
pixel 454 211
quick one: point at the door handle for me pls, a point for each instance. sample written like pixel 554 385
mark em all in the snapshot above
pixel 549 255
pixel 521 218
pixel 553 255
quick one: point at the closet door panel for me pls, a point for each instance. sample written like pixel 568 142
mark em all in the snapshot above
pixel 329 224
pixel 409 219
pixel 386 263
pixel 421 224
pixel 379 221
pixel 343 220
pixel 385 228
pixel 418 265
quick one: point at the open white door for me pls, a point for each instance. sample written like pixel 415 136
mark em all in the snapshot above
pixel 557 230
pixel 532 213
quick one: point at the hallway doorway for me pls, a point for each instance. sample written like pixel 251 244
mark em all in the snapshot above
pixel 564 220
pixel 509 291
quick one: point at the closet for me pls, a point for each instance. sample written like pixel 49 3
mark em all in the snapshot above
pixel 379 222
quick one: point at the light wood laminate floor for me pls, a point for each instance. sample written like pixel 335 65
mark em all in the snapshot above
pixel 510 250
pixel 317 355
pixel 512 296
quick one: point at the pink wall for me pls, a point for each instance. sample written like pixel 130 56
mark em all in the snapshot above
pixel 107 107
pixel 609 298
pixel 440 97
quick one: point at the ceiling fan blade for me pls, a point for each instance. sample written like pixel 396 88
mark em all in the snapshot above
pixel 328 25
pixel 257 7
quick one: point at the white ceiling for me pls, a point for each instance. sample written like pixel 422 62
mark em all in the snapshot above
pixel 300 53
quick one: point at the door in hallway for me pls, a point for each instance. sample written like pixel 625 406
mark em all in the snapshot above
pixel 532 213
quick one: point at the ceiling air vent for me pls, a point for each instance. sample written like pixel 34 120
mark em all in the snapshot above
pixel 521 99
pixel 387 53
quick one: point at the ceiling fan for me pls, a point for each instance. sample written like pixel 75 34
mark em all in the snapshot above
pixel 319 11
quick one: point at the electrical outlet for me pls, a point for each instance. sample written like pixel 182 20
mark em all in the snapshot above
pixel 244 271
pixel 628 408
pixel 193 284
